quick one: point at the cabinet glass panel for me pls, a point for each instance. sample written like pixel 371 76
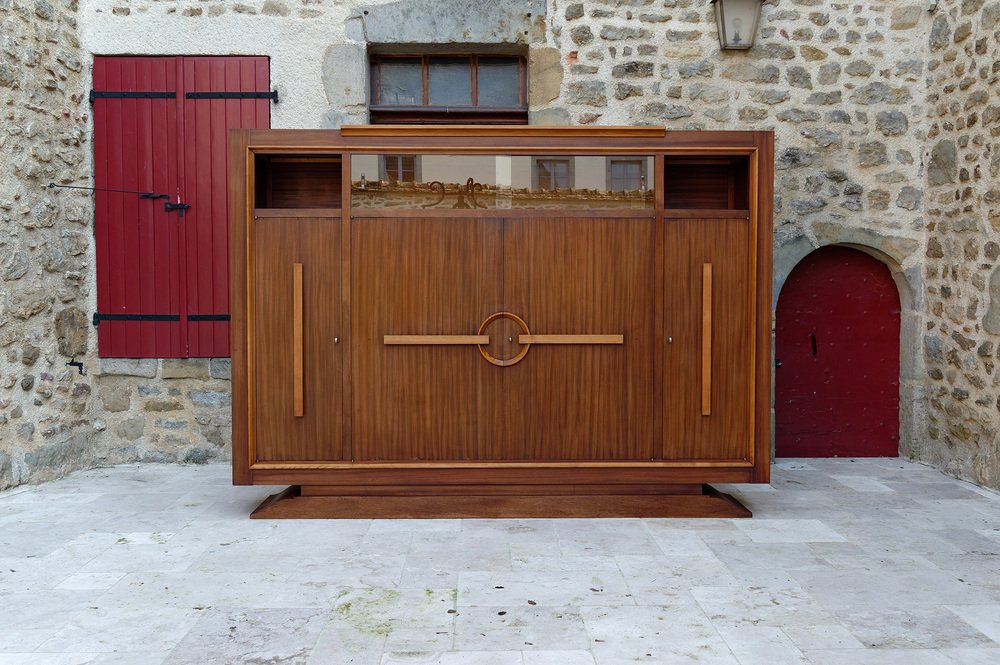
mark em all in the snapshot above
pixel 489 182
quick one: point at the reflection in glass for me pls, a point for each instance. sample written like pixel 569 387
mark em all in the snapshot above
pixel 399 81
pixel 501 181
pixel 552 174
pixel 499 82
pixel 449 82
pixel 626 174
pixel 398 168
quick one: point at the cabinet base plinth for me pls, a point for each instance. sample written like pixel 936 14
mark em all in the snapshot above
pixel 296 502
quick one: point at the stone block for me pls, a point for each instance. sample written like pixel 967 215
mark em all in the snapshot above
pixel 144 367
pixel 906 17
pixel 29 354
pixel 550 116
pixel 589 93
pixel 451 21
pixel 990 17
pixel 799 77
pixel 184 368
pixel 68 453
pixel 275 8
pixel 633 69
pixel 6 471
pixel 160 404
pixel 667 111
pixel 991 321
pixel 909 198
pixel 115 399
pixel 545 76
pixel 212 398
pixel 200 455
pixel 943 166
pixel 896 247
pixel 221 368
pixel 940 35
pixel 131 429
pixel 704 92
pixel 345 75
pixel 72 331
pixel 581 35
pixel 873 153
pixel 703 68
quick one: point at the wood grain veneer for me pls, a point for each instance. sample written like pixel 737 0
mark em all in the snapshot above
pixel 641 360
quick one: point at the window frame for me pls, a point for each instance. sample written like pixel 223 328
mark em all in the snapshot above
pixel 383 167
pixel 643 175
pixel 570 171
pixel 427 113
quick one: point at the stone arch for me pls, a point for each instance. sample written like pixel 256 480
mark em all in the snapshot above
pixel 899 255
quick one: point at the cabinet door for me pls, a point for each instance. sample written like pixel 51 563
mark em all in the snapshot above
pixel 297 341
pixel 426 393
pixel 580 397
pixel 707 340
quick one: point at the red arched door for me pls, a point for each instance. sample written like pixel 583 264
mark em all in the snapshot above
pixel 837 356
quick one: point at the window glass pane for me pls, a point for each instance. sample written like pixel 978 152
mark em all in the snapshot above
pixel 399 81
pixel 399 168
pixel 553 174
pixel 449 83
pixel 499 82
pixel 435 181
pixel 626 174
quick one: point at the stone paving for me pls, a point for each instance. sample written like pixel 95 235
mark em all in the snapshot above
pixel 846 562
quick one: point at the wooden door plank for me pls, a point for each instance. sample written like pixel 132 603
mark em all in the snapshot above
pixel 422 280
pixel 586 396
pixel 708 322
pixel 295 319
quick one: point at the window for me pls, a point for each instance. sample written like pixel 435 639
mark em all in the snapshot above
pixel 626 175
pixel 448 89
pixel 551 174
pixel 399 168
pixel 161 126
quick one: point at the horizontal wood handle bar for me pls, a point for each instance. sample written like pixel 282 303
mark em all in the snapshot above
pixel 436 339
pixel 571 339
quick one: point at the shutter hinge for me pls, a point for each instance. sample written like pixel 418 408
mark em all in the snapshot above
pixel 112 94
pixel 273 95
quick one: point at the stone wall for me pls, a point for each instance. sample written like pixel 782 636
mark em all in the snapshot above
pixel 46 252
pixel 884 116
pixel 843 86
pixel 962 332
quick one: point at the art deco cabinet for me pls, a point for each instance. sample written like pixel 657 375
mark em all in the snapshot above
pixel 500 321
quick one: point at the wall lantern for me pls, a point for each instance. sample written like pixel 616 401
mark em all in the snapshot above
pixel 737 21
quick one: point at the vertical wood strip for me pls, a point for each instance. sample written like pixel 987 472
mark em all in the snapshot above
pixel 297 369
pixel 706 339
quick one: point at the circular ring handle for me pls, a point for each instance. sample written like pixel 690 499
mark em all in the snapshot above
pixel 497 361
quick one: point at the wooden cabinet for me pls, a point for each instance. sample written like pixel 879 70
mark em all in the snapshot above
pixel 540 312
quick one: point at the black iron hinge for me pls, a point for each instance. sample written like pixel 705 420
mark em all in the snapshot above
pixel 273 95
pixel 112 94
pixel 99 316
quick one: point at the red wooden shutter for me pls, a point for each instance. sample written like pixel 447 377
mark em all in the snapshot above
pixel 207 121
pixel 161 126
pixel 139 299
